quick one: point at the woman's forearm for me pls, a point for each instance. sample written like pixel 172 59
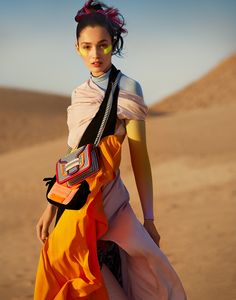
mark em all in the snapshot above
pixel 136 131
pixel 52 207
pixel 143 178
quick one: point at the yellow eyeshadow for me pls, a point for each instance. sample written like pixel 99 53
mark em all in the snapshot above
pixel 107 50
pixel 83 52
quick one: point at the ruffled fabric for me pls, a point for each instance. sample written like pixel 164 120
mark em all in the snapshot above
pixel 85 102
pixel 68 266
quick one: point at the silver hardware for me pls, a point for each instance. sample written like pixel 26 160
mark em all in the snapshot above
pixel 74 163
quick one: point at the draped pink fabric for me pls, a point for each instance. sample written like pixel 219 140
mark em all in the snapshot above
pixel 146 270
pixel 85 102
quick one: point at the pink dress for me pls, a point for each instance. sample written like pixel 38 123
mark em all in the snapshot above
pixel 146 271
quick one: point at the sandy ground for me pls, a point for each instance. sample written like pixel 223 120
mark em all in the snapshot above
pixel 193 158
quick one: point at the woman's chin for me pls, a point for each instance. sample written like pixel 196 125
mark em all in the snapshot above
pixel 99 70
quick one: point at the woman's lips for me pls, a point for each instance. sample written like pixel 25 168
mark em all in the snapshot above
pixel 97 64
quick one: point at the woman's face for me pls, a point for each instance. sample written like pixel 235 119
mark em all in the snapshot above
pixel 95 47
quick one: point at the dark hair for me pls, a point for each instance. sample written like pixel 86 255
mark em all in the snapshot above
pixel 96 13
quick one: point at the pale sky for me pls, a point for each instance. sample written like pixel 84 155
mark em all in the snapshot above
pixel 169 44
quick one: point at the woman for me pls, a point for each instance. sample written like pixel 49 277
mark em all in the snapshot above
pixel 132 264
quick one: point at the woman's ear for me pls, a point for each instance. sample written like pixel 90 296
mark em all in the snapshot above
pixel 77 48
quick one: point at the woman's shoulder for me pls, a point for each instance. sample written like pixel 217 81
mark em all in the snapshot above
pixel 130 85
pixel 131 104
pixel 81 86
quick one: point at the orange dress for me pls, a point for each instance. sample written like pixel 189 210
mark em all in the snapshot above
pixel 68 266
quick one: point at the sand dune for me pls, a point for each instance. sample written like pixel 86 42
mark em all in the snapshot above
pixel 217 87
pixel 28 117
pixel 193 158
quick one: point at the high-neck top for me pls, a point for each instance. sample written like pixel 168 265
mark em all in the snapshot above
pixel 101 81
pixel 126 83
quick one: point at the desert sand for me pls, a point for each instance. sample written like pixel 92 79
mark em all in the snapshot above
pixel 192 149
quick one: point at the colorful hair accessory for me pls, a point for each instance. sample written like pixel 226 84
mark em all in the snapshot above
pixel 111 12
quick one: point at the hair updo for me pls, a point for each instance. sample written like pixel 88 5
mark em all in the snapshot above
pixel 96 13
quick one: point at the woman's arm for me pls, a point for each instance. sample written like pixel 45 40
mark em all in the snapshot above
pixel 43 224
pixel 136 132
pixel 42 227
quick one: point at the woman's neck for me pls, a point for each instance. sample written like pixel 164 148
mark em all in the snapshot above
pixel 102 80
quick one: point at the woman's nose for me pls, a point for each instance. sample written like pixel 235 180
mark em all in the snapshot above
pixel 95 52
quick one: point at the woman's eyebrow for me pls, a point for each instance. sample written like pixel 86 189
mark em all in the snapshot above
pixel 88 43
pixel 102 41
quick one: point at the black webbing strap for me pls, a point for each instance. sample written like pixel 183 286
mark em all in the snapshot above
pixel 91 131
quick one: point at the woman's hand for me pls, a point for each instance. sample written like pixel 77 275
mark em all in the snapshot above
pixel 151 229
pixel 42 227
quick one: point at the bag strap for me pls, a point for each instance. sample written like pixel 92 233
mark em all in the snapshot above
pixel 106 113
pixel 108 110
